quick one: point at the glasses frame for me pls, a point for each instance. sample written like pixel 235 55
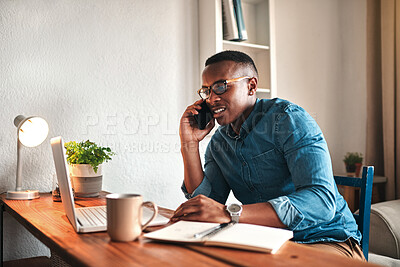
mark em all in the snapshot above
pixel 226 82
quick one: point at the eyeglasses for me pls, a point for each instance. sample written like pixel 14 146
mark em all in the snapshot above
pixel 219 87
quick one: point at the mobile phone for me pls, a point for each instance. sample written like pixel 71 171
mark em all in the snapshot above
pixel 204 116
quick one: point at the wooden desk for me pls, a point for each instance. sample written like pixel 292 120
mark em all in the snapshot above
pixel 46 220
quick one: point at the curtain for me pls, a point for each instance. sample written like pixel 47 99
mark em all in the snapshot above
pixel 383 92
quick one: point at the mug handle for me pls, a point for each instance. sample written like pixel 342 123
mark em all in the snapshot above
pixel 154 214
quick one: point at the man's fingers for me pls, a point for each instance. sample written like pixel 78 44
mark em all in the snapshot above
pixel 191 217
pixel 185 210
pixel 180 206
pixel 191 111
pixel 187 217
pixel 198 102
pixel 211 124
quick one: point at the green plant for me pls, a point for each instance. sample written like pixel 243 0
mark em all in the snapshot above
pixel 87 152
pixel 351 158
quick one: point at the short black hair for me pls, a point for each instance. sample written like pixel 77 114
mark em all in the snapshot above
pixel 236 56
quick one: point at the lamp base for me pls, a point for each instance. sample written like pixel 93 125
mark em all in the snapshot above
pixel 23 195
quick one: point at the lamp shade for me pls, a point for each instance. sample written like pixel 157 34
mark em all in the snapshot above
pixel 32 131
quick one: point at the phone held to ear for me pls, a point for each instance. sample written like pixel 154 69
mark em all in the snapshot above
pixel 204 116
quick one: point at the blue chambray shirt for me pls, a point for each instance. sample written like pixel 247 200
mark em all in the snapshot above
pixel 280 156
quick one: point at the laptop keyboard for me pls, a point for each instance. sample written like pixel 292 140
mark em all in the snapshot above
pixel 92 216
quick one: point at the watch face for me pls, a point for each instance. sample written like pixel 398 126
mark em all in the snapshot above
pixel 234 208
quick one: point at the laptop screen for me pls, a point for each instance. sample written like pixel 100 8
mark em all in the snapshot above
pixel 64 182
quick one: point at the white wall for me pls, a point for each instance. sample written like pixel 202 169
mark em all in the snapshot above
pixel 121 73
pixel 321 65
pixel 116 72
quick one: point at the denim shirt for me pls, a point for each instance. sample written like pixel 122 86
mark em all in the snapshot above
pixel 280 156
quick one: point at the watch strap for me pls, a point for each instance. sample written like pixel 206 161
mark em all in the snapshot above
pixel 235 217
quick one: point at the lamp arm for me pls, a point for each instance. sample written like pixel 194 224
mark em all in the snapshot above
pixel 18 186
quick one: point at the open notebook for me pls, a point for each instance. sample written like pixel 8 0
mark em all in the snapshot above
pixel 87 219
pixel 240 235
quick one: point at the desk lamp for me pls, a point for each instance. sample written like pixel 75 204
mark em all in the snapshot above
pixel 31 132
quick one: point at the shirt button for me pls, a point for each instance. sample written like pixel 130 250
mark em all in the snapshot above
pixel 244 163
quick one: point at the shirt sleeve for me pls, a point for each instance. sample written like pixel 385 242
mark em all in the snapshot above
pixel 303 145
pixel 213 185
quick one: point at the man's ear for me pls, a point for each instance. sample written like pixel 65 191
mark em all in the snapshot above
pixel 252 86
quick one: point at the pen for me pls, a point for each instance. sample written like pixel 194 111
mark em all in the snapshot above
pixel 212 231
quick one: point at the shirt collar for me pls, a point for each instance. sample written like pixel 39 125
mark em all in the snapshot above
pixel 248 124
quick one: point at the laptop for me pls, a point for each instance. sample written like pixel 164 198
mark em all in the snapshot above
pixel 86 219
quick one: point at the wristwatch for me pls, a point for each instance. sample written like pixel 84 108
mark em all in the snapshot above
pixel 234 210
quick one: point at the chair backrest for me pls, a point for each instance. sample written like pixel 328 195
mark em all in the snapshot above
pixel 363 217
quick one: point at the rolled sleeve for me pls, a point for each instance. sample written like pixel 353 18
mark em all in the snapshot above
pixel 203 189
pixel 287 213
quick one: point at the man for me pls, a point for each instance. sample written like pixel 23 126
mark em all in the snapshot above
pixel 270 153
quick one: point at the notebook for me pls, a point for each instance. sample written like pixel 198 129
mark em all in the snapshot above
pixel 240 236
pixel 86 219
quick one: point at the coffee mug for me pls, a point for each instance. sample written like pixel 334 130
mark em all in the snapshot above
pixel 124 216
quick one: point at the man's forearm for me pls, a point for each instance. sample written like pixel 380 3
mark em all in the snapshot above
pixel 193 171
pixel 261 214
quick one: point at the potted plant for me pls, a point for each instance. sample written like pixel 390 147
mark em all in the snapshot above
pixel 85 166
pixel 353 162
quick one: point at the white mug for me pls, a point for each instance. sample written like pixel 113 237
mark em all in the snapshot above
pixel 124 216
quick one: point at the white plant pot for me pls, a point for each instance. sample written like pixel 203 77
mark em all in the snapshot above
pixel 85 181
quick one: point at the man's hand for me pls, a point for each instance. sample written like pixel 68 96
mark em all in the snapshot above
pixel 188 130
pixel 201 208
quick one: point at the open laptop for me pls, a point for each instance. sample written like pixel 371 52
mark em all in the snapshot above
pixel 86 219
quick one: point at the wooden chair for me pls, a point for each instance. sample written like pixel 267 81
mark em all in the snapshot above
pixel 363 216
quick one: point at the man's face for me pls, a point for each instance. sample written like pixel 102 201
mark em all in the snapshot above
pixel 236 103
